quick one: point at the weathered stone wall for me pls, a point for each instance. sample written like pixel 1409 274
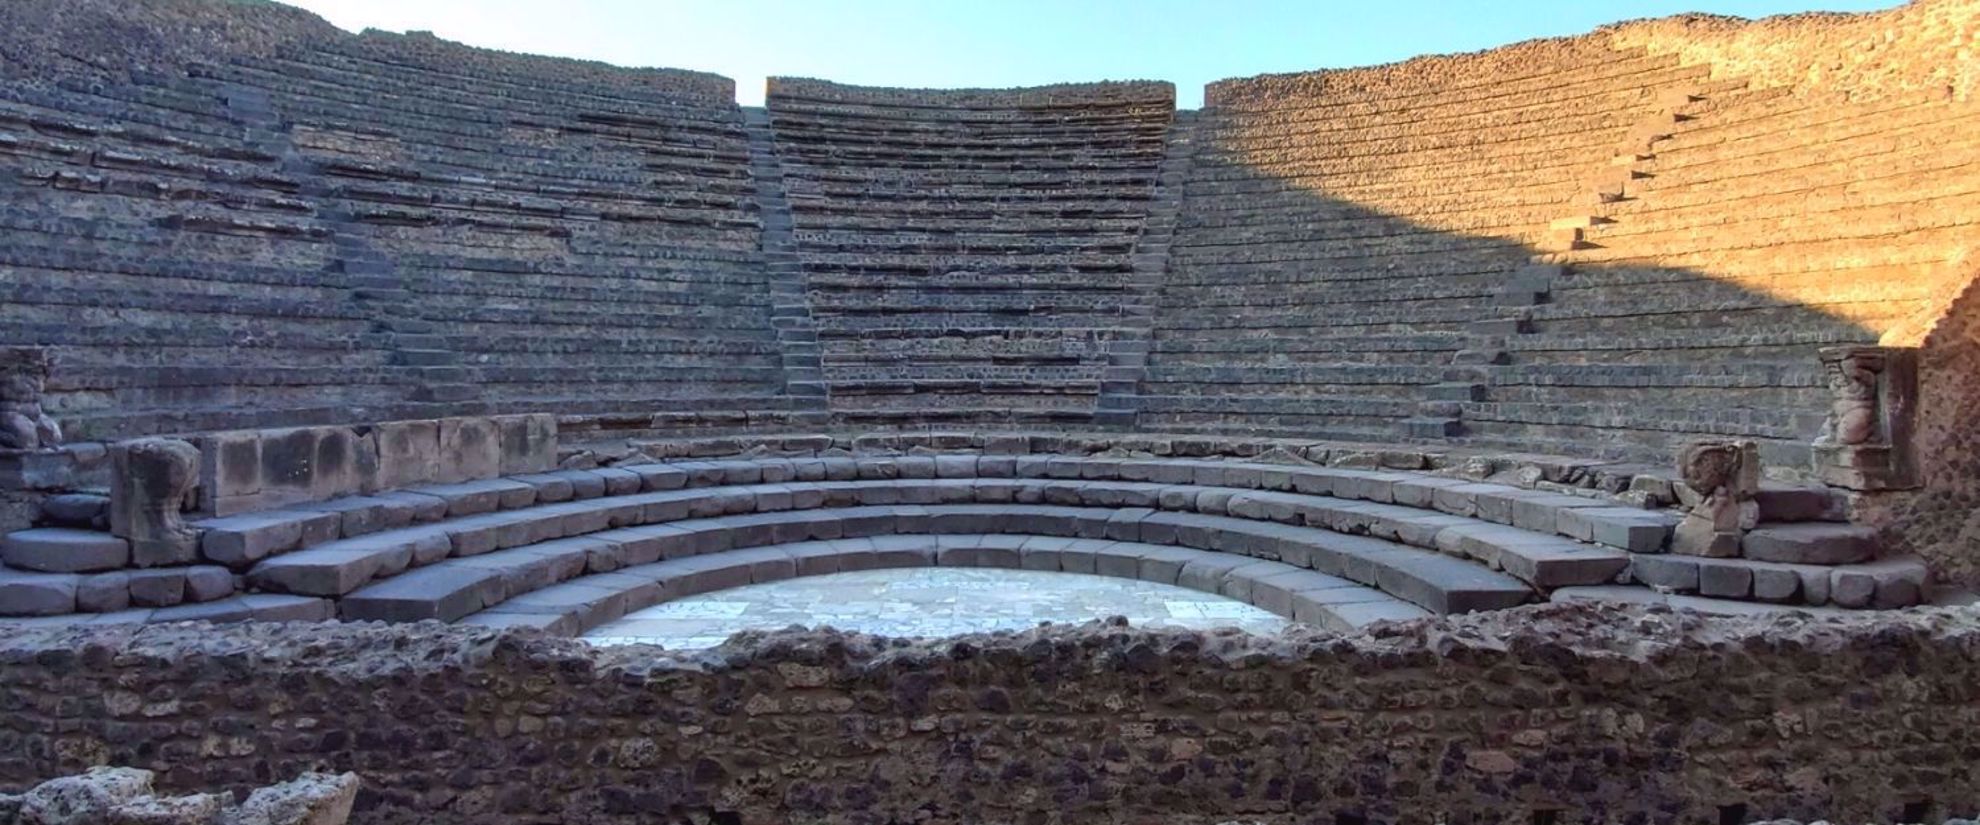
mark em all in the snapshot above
pixel 50 39
pixel 1922 48
pixel 1596 714
pixel 1900 83
pixel 1941 521
pixel 1060 94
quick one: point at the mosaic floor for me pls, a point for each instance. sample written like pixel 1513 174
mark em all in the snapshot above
pixel 928 602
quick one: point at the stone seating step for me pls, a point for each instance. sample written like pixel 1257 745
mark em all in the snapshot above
pixel 63 550
pixel 1899 581
pixel 1810 543
pixel 457 587
pixel 580 604
pixel 264 607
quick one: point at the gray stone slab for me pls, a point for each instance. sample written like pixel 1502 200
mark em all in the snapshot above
pixel 445 591
pixel 64 550
pixel 1638 531
pixel 237 541
pixel 37 594
pixel 362 515
pixel 158 587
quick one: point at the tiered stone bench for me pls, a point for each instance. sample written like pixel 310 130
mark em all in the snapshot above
pixel 972 255
pixel 1751 231
pixel 172 265
pixel 1345 235
pixel 1436 543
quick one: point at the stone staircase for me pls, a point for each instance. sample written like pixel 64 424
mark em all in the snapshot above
pixel 432 370
pixel 1127 356
pixel 790 308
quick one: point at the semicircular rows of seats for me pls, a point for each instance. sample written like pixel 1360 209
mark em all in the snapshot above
pixel 567 550
pixel 385 222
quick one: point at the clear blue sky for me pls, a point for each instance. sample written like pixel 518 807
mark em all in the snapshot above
pixel 958 43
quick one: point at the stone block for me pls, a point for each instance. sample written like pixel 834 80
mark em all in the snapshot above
pixel 158 587
pixel 63 550
pixel 37 594
pixel 1819 543
pixel 104 592
pixel 1775 583
pixel 1627 528
pixel 289 465
pixel 1724 579
pixel 470 449
pixel 1673 572
pixel 236 541
pixel 408 454
pixel 229 472
pixel 205 583
pixel 528 443
pixel 363 515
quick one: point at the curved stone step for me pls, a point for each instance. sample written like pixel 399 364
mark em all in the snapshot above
pixel 63 550
pixel 575 606
pixel 335 568
pixel 265 607
pixel 462 585
pixel 238 541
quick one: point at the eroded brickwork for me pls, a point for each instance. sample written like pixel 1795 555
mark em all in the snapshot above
pixel 1600 714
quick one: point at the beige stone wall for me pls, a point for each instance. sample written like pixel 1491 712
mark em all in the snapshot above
pixel 1926 48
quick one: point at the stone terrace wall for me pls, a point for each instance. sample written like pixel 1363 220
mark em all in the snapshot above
pixel 1594 714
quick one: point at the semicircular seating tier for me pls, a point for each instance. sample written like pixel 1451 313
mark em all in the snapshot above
pixel 388 225
pixel 568 549
pixel 976 255
pixel 391 297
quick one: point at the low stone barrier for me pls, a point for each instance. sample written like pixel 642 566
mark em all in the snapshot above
pixel 1558 713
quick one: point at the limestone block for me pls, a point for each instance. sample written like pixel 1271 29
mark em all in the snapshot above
pixel 288 465
pixel 470 449
pixel 528 443
pixel 205 583
pixel 344 463
pixel 229 471
pixel 152 483
pixel 408 454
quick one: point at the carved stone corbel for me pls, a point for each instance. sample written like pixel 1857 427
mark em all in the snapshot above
pixel 1866 442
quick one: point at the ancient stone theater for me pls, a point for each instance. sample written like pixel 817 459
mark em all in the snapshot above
pixel 1585 430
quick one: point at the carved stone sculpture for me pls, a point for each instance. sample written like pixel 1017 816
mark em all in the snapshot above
pixel 1865 443
pixel 23 424
pixel 1725 477
pixel 153 482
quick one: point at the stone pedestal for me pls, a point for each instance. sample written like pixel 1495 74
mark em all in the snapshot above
pixel 152 484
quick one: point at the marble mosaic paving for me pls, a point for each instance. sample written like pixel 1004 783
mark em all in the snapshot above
pixel 928 602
